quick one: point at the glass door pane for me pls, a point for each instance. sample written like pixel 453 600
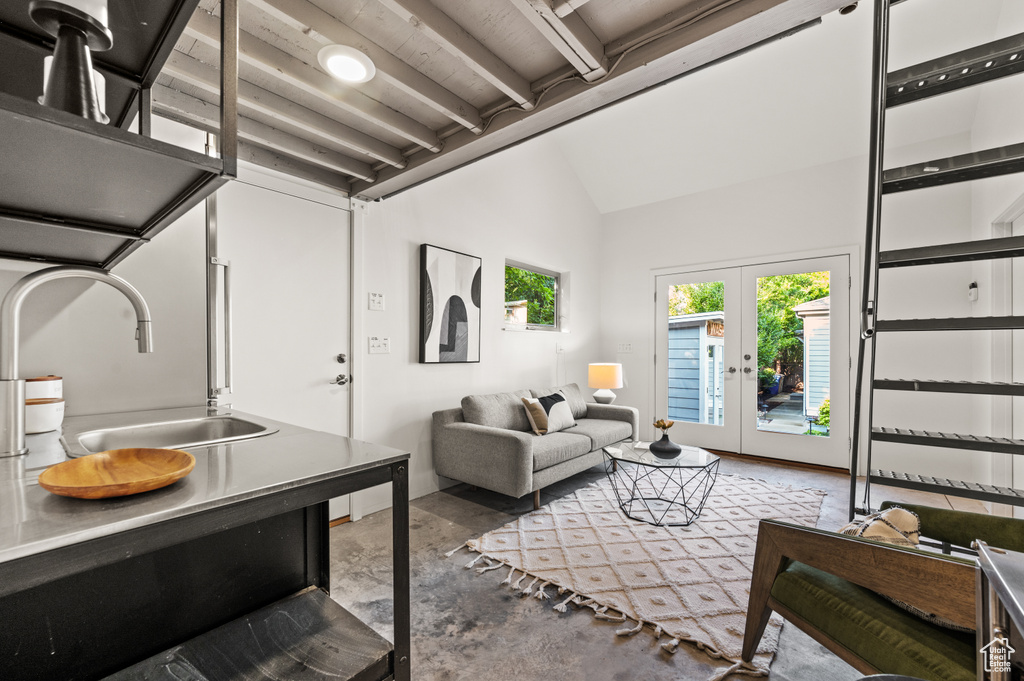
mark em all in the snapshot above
pixel 698 384
pixel 796 360
pixel 793 353
pixel 696 339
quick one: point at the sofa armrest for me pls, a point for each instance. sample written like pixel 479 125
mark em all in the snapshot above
pixel 493 458
pixel 616 412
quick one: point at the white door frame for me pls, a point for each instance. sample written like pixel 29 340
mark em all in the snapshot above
pixel 1002 346
pixel 854 252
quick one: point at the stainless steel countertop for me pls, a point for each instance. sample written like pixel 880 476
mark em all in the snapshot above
pixel 33 520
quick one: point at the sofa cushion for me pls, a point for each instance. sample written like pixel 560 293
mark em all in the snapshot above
pixel 499 410
pixel 572 395
pixel 888 638
pixel 602 432
pixel 558 447
pixel 548 414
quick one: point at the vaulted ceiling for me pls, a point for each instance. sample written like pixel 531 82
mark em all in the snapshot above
pixel 456 79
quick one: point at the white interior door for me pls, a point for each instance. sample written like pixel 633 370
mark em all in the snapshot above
pixel 697 357
pixel 740 382
pixel 288 248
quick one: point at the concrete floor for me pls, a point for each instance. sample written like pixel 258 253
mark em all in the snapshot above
pixel 466 626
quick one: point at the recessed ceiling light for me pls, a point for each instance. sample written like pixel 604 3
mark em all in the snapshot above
pixel 346 63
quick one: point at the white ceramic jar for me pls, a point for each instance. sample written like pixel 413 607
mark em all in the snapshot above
pixel 44 388
pixel 43 415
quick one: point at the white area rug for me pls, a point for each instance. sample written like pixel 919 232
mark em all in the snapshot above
pixel 684 583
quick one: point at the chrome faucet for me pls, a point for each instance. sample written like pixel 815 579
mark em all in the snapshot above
pixel 12 388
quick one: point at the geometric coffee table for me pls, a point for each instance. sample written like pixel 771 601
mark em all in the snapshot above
pixel 661 491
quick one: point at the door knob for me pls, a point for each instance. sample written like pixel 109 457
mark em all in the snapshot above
pixel 747 370
pixel 341 379
pixel 732 370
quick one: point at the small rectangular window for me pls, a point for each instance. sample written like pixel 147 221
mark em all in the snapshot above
pixel 532 297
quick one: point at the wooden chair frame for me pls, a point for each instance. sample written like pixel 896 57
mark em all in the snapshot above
pixel 931 582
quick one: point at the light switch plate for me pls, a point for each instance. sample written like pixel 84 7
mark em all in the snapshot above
pixel 377 302
pixel 379 345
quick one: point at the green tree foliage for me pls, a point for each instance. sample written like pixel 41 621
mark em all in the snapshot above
pixel 777 324
pixel 538 290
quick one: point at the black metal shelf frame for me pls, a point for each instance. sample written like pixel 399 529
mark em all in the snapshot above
pixel 983 63
pixel 77 192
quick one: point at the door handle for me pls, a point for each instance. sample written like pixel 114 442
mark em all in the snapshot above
pixel 747 370
pixel 340 379
pixel 732 370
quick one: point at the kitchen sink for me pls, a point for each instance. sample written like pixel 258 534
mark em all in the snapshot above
pixel 171 434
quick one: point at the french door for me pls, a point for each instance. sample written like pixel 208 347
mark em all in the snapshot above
pixel 756 359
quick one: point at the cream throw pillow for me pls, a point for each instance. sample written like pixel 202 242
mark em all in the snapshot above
pixel 548 414
pixel 899 526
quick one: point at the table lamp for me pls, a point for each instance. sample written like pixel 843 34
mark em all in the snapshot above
pixel 604 377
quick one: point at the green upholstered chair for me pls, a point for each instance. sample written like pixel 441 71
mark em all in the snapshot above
pixel 827 584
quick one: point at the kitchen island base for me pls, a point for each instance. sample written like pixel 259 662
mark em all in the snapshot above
pixel 192 584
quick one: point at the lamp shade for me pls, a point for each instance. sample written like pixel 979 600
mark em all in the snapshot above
pixel 606 376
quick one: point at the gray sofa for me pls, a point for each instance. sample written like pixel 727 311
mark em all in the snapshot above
pixel 488 441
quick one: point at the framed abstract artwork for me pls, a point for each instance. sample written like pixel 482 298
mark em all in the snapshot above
pixel 449 306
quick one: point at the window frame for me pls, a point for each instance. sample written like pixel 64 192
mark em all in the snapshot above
pixel 561 301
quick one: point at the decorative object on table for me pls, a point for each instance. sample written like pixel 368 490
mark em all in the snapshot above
pixel 665 448
pixel 80 28
pixel 548 414
pixel 605 377
pixel 689 584
pixel 661 491
pixel 117 473
pixel 449 306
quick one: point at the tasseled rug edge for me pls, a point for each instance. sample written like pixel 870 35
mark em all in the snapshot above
pixel 601 612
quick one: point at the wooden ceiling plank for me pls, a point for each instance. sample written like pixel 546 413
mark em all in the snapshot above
pixel 737 27
pixel 208 116
pixel 266 158
pixel 326 29
pixel 564 8
pixel 444 31
pixel 255 98
pixel 675 18
pixel 275 62
pixel 570 36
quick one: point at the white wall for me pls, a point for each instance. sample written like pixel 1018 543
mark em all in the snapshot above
pixel 85 331
pixel 997 123
pixel 816 209
pixel 522 205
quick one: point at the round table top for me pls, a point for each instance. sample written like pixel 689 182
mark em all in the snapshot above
pixel 689 457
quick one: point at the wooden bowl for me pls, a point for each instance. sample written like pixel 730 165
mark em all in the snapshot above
pixel 117 473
